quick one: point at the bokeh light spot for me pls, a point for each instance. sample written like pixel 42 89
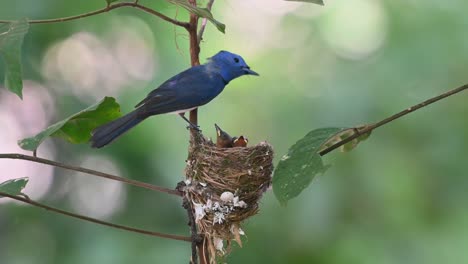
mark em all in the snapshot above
pixel 20 120
pixel 95 196
pixel 91 67
pixel 354 29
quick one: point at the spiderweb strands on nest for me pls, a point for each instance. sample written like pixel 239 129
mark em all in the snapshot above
pixel 224 186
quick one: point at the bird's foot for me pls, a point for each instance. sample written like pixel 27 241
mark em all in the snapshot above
pixel 194 127
pixel 191 125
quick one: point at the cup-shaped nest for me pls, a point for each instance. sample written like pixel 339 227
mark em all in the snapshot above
pixel 224 186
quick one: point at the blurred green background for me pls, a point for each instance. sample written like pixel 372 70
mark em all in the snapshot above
pixel 400 197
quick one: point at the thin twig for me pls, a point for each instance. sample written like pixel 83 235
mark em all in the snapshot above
pixel 176 35
pixel 209 5
pixel 166 18
pixel 387 120
pixel 90 172
pixel 96 221
pixel 104 10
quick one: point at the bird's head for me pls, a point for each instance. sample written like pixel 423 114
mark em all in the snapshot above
pixel 231 65
pixel 223 139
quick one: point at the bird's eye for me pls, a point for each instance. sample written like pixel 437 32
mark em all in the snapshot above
pixel 236 60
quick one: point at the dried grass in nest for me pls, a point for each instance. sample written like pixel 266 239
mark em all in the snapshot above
pixel 212 171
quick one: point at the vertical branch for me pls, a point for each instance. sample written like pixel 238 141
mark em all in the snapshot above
pixel 194 53
pixel 195 60
pixel 194 47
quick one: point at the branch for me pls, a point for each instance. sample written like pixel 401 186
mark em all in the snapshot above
pixel 209 5
pixel 166 18
pixel 194 54
pixel 195 60
pixel 93 220
pixel 90 172
pixel 387 120
pixel 192 30
pixel 104 10
pixel 187 204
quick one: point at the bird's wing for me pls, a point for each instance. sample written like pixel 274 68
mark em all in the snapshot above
pixel 163 89
pixel 188 89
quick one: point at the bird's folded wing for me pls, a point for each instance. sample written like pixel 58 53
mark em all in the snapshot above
pixel 187 90
pixel 176 84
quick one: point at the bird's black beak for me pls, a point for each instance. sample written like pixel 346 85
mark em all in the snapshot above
pixel 248 71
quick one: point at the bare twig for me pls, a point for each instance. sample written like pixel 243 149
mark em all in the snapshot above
pixel 176 35
pixel 168 19
pixel 96 221
pixel 90 172
pixel 411 109
pixel 209 5
pixel 107 9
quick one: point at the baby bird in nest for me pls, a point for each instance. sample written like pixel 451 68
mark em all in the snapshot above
pixel 224 140
pixel 240 141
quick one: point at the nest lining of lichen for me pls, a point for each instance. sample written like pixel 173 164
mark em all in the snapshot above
pixel 225 185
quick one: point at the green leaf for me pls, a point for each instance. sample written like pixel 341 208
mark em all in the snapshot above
pixel 297 169
pixel 14 186
pixel 11 39
pixel 77 128
pixel 201 12
pixel 318 2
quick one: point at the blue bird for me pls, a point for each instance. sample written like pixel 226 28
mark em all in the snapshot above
pixel 184 92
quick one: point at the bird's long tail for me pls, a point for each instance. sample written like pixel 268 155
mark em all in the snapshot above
pixel 106 133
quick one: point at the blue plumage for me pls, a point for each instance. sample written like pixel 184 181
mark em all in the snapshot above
pixel 187 90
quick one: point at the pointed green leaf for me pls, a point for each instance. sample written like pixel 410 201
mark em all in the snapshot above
pixel 11 39
pixel 199 11
pixel 14 186
pixel 318 2
pixel 77 128
pixel 297 169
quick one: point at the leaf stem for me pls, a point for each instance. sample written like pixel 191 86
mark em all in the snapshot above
pixel 398 115
pixel 96 221
pixel 90 172
pixel 107 9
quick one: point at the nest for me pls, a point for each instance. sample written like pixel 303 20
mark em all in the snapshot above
pixel 224 186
